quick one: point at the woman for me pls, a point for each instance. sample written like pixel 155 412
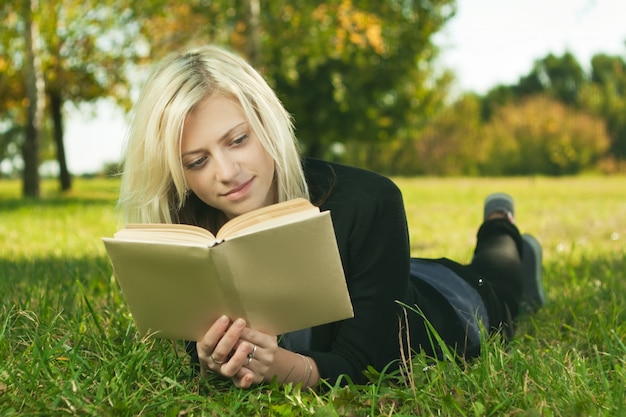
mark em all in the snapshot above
pixel 209 140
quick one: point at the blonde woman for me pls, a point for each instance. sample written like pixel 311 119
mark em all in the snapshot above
pixel 209 140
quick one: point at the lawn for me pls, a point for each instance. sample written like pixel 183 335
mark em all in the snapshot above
pixel 68 344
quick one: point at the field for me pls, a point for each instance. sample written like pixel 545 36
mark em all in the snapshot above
pixel 68 345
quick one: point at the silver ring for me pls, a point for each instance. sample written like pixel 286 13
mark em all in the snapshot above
pixel 215 360
pixel 251 354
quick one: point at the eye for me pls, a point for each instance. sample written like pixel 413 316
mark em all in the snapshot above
pixel 240 139
pixel 196 163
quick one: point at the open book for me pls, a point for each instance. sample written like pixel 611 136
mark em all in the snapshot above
pixel 277 267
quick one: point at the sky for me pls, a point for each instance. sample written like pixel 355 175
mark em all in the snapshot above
pixel 488 42
pixel 491 42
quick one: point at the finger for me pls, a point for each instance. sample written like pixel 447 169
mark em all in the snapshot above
pixel 266 347
pixel 245 378
pixel 228 343
pixel 241 357
pixel 219 352
pixel 258 338
pixel 210 339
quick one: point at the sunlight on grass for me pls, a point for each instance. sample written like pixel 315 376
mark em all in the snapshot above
pixel 58 225
pixel 69 345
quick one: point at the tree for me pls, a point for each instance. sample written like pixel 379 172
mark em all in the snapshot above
pixel 12 89
pixel 349 71
pixel 35 96
pixel 601 93
pixel 560 77
pixel 605 96
pixel 90 47
pixel 540 135
pixel 495 98
pixel 356 71
pixel 452 142
pixel 85 50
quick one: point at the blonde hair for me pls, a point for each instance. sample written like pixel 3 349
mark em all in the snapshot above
pixel 153 188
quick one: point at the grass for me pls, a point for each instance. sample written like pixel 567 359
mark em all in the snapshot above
pixel 68 344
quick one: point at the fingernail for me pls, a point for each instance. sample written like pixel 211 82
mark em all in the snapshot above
pixel 223 319
pixel 240 323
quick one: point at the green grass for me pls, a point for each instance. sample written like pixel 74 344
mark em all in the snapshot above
pixel 68 344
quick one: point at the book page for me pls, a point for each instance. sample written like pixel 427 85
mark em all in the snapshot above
pixel 280 279
pixel 289 277
pixel 255 220
pixel 267 217
pixel 166 233
pixel 173 292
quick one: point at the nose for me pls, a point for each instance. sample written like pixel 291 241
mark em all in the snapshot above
pixel 226 168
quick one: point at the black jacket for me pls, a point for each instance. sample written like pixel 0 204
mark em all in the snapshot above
pixel 371 230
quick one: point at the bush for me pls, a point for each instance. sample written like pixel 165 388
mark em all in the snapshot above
pixel 543 136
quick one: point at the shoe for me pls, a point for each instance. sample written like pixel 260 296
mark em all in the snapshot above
pixel 499 202
pixel 534 296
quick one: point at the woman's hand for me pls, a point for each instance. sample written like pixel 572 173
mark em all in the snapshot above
pixel 242 354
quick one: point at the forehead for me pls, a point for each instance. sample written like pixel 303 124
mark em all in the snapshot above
pixel 212 118
pixel 217 107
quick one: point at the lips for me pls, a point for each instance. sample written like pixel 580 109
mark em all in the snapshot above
pixel 238 191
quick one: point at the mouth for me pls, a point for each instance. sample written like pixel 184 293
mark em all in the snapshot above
pixel 239 190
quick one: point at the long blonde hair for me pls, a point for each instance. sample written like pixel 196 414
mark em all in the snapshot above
pixel 153 188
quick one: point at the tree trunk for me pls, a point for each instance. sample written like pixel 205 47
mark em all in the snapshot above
pixel 36 102
pixel 56 108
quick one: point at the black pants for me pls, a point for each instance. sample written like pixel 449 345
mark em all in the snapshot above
pixel 495 272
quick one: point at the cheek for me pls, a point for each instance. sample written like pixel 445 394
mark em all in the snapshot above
pixel 268 163
pixel 270 166
pixel 197 184
pixel 189 181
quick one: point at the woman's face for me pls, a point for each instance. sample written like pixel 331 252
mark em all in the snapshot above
pixel 225 164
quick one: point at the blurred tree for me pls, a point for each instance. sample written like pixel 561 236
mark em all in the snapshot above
pixel 11 37
pixel 452 143
pixel 359 71
pixel 35 97
pixel 12 89
pixel 86 48
pixel 601 93
pixel 560 77
pixel 540 135
pixel 170 26
pixel 495 98
pixel 605 96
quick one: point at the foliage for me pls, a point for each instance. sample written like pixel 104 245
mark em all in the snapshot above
pixel 601 92
pixel 86 49
pixel 605 96
pixel 357 71
pixel 11 90
pixel 533 135
pixel 69 346
pixel 561 77
pixel 452 142
pixel 347 70
pixel 542 136
pixel 359 76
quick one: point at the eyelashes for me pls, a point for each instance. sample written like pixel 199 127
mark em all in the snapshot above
pixel 200 162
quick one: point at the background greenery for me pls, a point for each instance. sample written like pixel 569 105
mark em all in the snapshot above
pixel 361 77
pixel 68 345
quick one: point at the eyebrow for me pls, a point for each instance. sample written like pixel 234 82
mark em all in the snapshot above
pixel 222 138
